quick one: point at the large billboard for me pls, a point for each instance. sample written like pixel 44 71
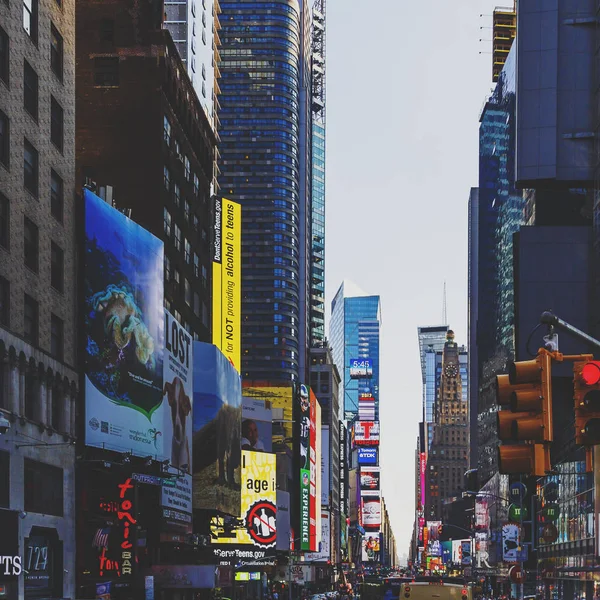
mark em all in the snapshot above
pixel 370 480
pixel 367 456
pixel 371 511
pixel 217 431
pixel 366 433
pixel 371 548
pixel 367 407
pixel 124 320
pixel 257 425
pixel 305 420
pixel 259 501
pixel 325 465
pixel 315 472
pixel 227 279
pixel 324 553
pixel 361 368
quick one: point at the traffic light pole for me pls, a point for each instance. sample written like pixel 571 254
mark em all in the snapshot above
pixel 550 319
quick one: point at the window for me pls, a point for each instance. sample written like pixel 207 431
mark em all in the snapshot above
pixel 196 184
pixel 107 31
pixel 4 221
pixel 177 232
pixel 188 251
pixel 30 19
pixel 56 123
pixel 167 178
pixel 30 90
pixel 167 131
pixel 106 71
pixel 4 302
pixel 57 334
pixel 204 314
pixel 4 60
pixel 43 488
pixel 167 269
pixel 186 211
pixel 56 52
pixel 196 265
pixel 177 194
pixel 186 162
pixel 56 196
pixel 31 320
pixel 167 220
pixel 31 244
pixel 196 304
pixel 57 267
pixel 4 140
pixel 30 168
pixel 204 277
pixel 188 293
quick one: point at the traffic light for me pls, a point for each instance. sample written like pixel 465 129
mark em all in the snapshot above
pixel 586 394
pixel 525 423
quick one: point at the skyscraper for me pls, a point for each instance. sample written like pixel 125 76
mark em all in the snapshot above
pixel 266 125
pixel 354 333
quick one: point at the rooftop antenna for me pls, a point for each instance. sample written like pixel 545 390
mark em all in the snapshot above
pixel 444 308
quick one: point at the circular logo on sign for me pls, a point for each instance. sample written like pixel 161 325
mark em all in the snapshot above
pixel 261 523
pixel 94 423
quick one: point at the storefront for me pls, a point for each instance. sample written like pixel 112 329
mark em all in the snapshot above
pixel 183 582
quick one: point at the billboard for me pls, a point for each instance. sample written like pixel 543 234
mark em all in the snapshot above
pixel 510 543
pixel 343 486
pixel 216 446
pixel 227 279
pixel 257 425
pixel 370 480
pixel 324 553
pixel 124 320
pixel 367 456
pixel 371 547
pixel 367 410
pixel 259 501
pixel 371 511
pixel 422 472
pixel 325 465
pixel 315 472
pixel 283 521
pixel 366 433
pixel 361 368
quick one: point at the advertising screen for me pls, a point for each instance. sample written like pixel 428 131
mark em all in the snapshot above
pixel 370 480
pixel 124 320
pixel 367 456
pixel 315 472
pixel 371 511
pixel 217 431
pixel 367 410
pixel 227 282
pixel 361 368
pixel 257 425
pixel 422 471
pixel 371 547
pixel 259 501
pixel 366 433
pixel 324 554
pixel 343 488
pixel 325 464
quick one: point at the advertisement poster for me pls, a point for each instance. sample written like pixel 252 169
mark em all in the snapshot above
pixel 217 420
pixel 227 279
pixel 465 552
pixel 371 547
pixel 315 474
pixel 366 408
pixel 366 433
pixel 259 501
pixel 367 457
pixel 371 511
pixel 370 479
pixel 304 509
pixel 325 449
pixel 343 470
pixel 434 528
pixel 124 321
pixel 361 368
pixel 422 471
pixel 257 425
pixel 324 554
pixel 510 543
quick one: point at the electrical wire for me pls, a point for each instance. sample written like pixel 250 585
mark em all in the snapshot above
pixel 529 339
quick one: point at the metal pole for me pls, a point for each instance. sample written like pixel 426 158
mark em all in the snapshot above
pixel 551 319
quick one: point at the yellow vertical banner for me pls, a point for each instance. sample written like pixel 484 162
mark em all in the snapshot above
pixel 227 279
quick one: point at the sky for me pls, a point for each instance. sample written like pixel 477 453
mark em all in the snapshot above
pixel 406 82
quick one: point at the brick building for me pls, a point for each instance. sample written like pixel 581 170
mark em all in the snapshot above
pixel 38 377
pixel 143 137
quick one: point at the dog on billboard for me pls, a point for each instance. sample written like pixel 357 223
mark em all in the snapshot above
pixel 181 407
pixel 219 442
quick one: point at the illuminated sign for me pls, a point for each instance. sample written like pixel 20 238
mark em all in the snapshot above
pixel 367 456
pixel 361 368
pixel 343 470
pixel 227 279
pixel 366 433
pixel 370 479
pixel 422 471
pixel 371 511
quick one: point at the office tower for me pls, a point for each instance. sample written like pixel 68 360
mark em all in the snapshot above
pixel 194 27
pixel 354 334
pixel 38 350
pixel 504 30
pixel 448 460
pixel 146 145
pixel 431 341
pixel 317 274
pixel 265 147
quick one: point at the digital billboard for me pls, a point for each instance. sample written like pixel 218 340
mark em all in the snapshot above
pixel 371 547
pixel 257 425
pixel 366 433
pixel 343 487
pixel 371 511
pixel 324 553
pixel 305 412
pixel 370 479
pixel 259 501
pixel 217 417
pixel 227 279
pixel 367 410
pixel 124 321
pixel 367 456
pixel 315 472
pixel 361 368
pixel 325 465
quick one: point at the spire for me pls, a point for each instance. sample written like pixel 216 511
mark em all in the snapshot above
pixel 444 308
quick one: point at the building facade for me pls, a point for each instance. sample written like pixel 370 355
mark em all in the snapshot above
pixel 158 167
pixel 38 316
pixel 354 333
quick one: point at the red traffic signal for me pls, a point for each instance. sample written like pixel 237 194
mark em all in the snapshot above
pixel 586 396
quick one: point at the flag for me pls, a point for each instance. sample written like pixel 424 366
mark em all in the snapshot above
pixel 101 538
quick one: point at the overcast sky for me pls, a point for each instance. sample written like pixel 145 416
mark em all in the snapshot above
pixel 405 86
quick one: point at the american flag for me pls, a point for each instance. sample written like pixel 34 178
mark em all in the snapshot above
pixel 101 538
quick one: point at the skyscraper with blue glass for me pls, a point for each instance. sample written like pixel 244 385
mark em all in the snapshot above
pixel 354 333
pixel 271 121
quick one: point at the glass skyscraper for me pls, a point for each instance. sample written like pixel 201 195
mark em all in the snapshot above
pixel 354 333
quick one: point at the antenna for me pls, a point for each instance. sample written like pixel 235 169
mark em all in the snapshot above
pixel 444 308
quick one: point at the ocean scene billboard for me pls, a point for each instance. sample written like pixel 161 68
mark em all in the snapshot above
pixel 217 420
pixel 124 326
